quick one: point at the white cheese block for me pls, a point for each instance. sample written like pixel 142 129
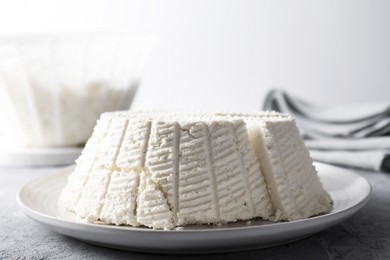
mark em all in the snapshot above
pixel 166 169
pixel 293 182
pixel 294 186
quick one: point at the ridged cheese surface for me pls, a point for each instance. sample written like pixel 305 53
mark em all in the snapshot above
pixel 288 168
pixel 167 169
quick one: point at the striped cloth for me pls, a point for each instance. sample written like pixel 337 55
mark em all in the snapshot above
pixel 353 135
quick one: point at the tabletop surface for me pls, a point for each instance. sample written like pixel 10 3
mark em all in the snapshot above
pixel 366 235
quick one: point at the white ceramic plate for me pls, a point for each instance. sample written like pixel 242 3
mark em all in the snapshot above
pixel 350 192
pixel 26 156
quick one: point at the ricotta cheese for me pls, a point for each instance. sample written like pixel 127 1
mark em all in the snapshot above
pixel 292 180
pixel 167 169
pixel 53 88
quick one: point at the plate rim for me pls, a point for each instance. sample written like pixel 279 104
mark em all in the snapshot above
pixel 38 156
pixel 25 208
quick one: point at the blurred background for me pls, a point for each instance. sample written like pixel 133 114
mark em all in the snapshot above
pixel 228 54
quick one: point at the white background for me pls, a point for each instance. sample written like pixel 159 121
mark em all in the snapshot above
pixel 228 54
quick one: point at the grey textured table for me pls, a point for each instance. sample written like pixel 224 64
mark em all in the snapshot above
pixel 364 236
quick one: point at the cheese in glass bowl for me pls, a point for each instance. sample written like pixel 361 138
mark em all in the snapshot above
pixel 53 88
